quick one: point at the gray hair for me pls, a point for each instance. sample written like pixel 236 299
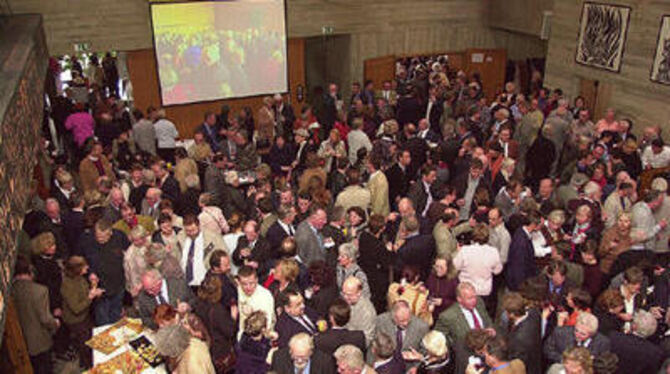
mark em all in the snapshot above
pixel 351 356
pixel 383 346
pixel 557 216
pixel 591 188
pixel 148 176
pixel 138 232
pixel 350 250
pixel 301 339
pixel 589 321
pixel 192 181
pixel 172 341
pixel 435 343
pixel 644 324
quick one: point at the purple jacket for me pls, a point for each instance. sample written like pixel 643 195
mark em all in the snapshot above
pixel 82 125
pixel 251 355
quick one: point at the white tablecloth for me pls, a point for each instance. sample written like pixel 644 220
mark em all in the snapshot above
pixel 99 357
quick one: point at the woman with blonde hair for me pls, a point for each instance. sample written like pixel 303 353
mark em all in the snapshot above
pixel 285 275
pixel 332 149
pixel 134 263
pixel 616 240
pixel 211 216
pixel 412 290
pixel 47 270
pixel 576 360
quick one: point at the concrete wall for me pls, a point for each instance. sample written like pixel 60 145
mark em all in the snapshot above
pixel 377 28
pixel 633 94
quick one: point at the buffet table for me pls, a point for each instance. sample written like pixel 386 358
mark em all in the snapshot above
pixel 100 357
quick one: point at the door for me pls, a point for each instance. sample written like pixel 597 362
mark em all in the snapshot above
pixel 490 64
pixel 597 96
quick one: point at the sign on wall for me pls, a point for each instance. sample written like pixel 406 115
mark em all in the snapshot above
pixel 602 35
pixel 660 70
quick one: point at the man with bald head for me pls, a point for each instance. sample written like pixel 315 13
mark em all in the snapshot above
pixel 300 357
pixel 157 290
pixel 113 210
pixel 363 314
pixel 151 201
pixel 469 313
pixel 400 324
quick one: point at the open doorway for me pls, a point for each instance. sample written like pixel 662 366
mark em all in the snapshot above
pixel 327 60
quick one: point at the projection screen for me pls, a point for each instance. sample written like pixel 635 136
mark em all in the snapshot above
pixel 210 50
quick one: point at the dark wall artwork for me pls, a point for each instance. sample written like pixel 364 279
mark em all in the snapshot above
pixel 19 136
pixel 602 35
pixel 660 70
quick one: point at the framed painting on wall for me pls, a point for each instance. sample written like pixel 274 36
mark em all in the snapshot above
pixel 660 70
pixel 602 35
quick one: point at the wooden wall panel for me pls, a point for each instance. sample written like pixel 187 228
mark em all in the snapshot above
pixel 142 69
pixel 632 93
pixel 380 69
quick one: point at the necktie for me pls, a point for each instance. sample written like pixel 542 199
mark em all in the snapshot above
pixel 189 262
pixel 478 324
pixel 308 325
pixel 398 339
pixel 290 230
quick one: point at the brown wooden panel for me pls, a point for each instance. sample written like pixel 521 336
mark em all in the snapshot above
pixel 603 99
pixel 588 89
pixel 142 70
pixel 491 68
pixel 380 69
pixel 14 354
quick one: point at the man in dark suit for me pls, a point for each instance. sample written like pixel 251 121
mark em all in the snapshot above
pixel 301 357
pixel 383 350
pixel 417 148
pixel 418 249
pixel 156 290
pixel 583 334
pixel 283 114
pixel 427 133
pixel 467 183
pixel 210 129
pixel 73 220
pixel 328 341
pixel 166 182
pixel 420 192
pixel 521 258
pixel 398 178
pixel 637 355
pixel 281 229
pixel 524 336
pixel 296 318
pixel 252 249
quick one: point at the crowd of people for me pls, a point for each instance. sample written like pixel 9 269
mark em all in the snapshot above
pixel 418 228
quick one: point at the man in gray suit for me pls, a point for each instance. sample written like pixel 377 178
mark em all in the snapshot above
pixel 406 329
pixel 37 323
pixel 156 290
pixel 310 242
pixel 644 225
pixel 583 334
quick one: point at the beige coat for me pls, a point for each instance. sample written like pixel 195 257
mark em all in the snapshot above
pixel 88 173
pixel 378 186
pixel 183 169
pixel 195 359
pixel 354 196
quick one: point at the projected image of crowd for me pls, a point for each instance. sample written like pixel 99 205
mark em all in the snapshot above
pixel 219 63
pixel 415 226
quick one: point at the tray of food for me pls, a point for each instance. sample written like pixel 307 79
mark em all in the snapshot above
pixel 127 362
pixel 115 336
pixel 146 350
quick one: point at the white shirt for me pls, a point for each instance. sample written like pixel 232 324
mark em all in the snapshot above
pixel 289 229
pixel 261 300
pixel 164 293
pixel 477 263
pixel 199 269
pixel 468 317
pixel 661 160
pixel 166 133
